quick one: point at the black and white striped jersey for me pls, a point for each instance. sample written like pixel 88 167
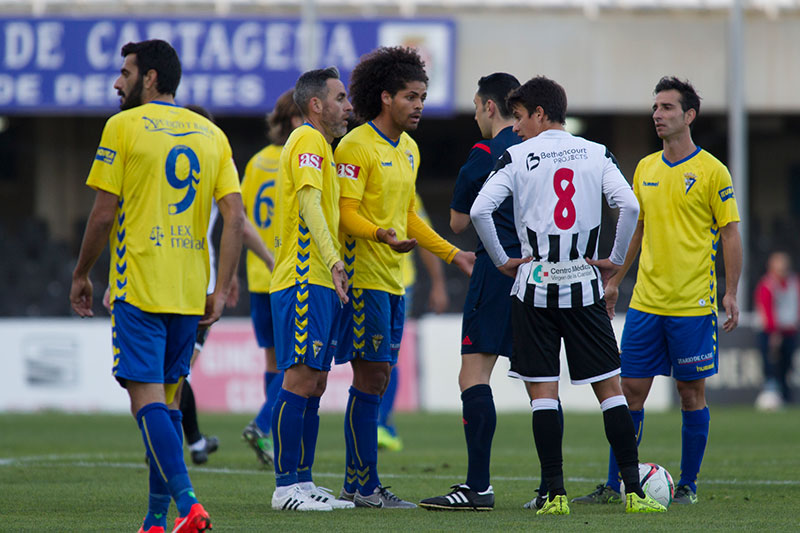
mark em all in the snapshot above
pixel 558 182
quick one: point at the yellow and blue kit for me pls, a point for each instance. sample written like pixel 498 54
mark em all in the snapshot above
pixel 258 196
pixel 305 307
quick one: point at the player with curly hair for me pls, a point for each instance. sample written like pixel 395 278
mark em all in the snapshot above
pixel 377 165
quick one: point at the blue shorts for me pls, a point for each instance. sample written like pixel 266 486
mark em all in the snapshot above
pixel 486 322
pixel 682 346
pixel 261 314
pixel 306 321
pixel 151 347
pixel 372 327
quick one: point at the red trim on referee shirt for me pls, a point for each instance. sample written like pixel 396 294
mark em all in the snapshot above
pixel 483 147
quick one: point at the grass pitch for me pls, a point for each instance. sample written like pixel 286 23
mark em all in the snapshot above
pixel 86 473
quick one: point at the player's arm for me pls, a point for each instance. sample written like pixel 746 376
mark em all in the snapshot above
pixel 458 221
pixel 619 194
pixel 470 179
pixel 432 241
pixel 438 300
pixel 230 248
pixel 98 229
pixel 310 200
pixel 497 188
pixel 732 254
pixel 356 225
pixel 252 240
pixel 725 211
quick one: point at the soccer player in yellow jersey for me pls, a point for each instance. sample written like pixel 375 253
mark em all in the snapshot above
pixel 377 166
pixel 258 194
pixel 308 287
pixel 156 171
pixel 687 205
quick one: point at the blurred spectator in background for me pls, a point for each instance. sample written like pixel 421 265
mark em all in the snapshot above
pixel 777 301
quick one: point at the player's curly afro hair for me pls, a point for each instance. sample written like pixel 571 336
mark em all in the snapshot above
pixel 384 69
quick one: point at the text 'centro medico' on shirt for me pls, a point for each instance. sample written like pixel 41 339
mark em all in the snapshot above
pixel 558 182
pixel 683 206
pixel 306 161
pixel 166 164
pixel 381 174
pixel 258 196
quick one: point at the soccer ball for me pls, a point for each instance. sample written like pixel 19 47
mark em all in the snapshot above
pixel 656 483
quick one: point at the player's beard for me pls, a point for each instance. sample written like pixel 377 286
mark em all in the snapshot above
pixel 335 126
pixel 134 98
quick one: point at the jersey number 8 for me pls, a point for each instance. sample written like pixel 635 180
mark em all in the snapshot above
pixel 189 182
pixel 564 214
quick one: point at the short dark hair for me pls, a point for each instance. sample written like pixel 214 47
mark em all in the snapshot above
pixel 387 69
pixel 160 56
pixel 280 120
pixel 496 87
pixel 689 97
pixel 200 110
pixel 311 84
pixel 541 92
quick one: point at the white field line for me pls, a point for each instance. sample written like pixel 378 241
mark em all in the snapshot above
pixel 85 461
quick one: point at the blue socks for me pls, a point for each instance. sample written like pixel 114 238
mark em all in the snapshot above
pixel 309 443
pixel 361 437
pixel 287 432
pixel 159 499
pixel 614 478
pixel 165 450
pixel 480 420
pixel 272 386
pixel 385 418
pixel 694 436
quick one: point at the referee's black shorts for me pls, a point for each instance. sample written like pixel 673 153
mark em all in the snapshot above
pixel 592 352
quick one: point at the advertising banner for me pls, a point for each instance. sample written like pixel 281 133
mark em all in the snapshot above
pixel 230 65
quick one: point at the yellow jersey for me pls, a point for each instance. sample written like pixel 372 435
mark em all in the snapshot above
pixel 258 196
pixel 382 174
pixel 306 160
pixel 683 206
pixel 166 164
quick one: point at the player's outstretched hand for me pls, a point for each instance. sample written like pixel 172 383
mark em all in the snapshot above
pixel 389 236
pixel 464 261
pixel 80 296
pixel 731 311
pixel 607 269
pixel 214 307
pixel 340 281
pixel 510 267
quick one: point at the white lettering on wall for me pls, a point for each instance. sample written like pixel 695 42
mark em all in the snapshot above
pixel 49 54
pixel 19 45
pixel 98 53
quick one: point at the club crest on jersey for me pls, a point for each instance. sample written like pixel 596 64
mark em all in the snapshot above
pixel 689 179
pixel 346 170
pixel 317 345
pixel 310 160
pixel 532 161
pixel 410 158
pixel 376 341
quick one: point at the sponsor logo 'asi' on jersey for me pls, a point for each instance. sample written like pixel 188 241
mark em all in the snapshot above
pixel 347 170
pixel 310 160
